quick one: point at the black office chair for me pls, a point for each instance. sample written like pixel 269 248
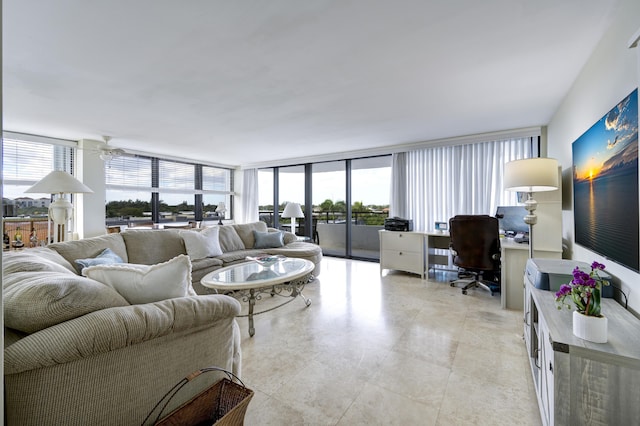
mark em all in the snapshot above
pixel 475 247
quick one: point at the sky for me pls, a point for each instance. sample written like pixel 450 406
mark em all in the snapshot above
pixel 370 186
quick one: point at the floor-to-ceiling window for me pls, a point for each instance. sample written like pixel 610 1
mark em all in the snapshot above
pixel 266 196
pixel 329 206
pixel 370 189
pixel 341 224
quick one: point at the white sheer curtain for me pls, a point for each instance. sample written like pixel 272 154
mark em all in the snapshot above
pixel 250 196
pixel 398 205
pixel 463 179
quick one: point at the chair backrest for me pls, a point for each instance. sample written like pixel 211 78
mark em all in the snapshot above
pixel 475 240
pixel 302 228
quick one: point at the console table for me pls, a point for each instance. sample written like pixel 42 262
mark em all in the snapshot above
pixel 576 381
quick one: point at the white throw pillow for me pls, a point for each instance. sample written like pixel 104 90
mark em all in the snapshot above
pixel 146 283
pixel 205 243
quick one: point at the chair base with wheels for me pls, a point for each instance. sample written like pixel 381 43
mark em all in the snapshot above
pixel 474 280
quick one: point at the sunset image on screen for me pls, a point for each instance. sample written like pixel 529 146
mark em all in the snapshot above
pixel 605 185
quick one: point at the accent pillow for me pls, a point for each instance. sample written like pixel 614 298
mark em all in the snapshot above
pixel 146 283
pixel 268 239
pixel 245 232
pixel 107 257
pixel 202 244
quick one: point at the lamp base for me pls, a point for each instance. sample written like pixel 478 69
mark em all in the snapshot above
pixel 60 212
pixel 531 219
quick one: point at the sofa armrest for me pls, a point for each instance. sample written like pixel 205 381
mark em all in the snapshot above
pixel 114 328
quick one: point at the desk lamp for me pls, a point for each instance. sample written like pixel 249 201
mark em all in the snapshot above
pixel 220 210
pixel 61 209
pixel 531 175
pixel 292 210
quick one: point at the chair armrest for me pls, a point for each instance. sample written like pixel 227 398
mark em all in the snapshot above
pixel 114 328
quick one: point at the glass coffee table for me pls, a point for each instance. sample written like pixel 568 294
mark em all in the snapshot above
pixel 249 281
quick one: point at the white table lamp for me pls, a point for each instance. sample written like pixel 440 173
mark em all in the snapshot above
pixel 220 210
pixel 531 175
pixel 60 210
pixel 292 211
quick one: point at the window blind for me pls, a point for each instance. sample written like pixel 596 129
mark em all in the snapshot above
pixel 128 173
pixel 25 163
pixel 174 175
pixel 215 179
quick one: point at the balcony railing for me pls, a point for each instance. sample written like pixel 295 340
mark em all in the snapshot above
pixel 330 229
pixel 372 218
pixel 32 229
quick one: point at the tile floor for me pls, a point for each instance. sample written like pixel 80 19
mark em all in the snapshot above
pixel 387 350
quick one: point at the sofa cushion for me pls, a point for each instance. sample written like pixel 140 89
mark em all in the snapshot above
pixel 200 245
pixel 151 246
pixel 229 239
pixel 34 300
pixel 245 231
pixel 146 283
pixel 206 263
pixel 107 257
pixel 35 259
pixel 91 247
pixel 267 239
pixel 299 250
pixel 239 255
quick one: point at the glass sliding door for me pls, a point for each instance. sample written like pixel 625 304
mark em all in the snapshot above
pixel 329 206
pixel 265 197
pixel 291 183
pixel 370 190
pixel 349 202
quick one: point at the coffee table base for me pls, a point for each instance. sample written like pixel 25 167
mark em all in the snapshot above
pixel 291 290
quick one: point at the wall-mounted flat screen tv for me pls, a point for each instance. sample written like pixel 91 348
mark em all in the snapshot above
pixel 605 185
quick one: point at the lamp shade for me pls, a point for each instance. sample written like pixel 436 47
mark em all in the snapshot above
pixel 221 207
pixel 292 210
pixel 59 182
pixel 531 175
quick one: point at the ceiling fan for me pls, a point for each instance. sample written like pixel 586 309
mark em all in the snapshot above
pixel 107 153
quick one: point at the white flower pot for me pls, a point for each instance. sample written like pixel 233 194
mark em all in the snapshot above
pixel 593 329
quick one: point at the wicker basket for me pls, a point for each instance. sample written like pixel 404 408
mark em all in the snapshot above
pixel 222 404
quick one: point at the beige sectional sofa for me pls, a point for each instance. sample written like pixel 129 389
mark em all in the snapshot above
pixel 77 352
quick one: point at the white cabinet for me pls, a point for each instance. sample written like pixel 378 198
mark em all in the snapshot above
pixel 403 251
pixel 576 381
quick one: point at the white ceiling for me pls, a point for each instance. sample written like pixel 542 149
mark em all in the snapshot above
pixel 242 82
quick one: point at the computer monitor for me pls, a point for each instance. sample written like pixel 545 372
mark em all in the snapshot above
pixel 511 219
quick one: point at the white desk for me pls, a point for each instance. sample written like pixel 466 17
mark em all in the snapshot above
pixel 514 259
pixel 419 252
pixel 437 251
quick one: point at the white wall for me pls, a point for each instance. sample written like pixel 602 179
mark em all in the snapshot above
pixel 611 73
pixel 90 208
